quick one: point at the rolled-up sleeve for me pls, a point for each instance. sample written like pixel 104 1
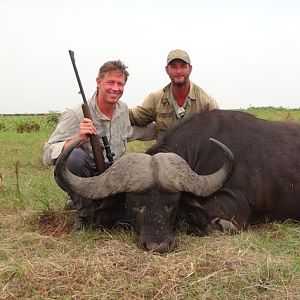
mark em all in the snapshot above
pixel 67 128
pixel 51 152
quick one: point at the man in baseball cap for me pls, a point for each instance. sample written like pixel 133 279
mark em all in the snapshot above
pixel 176 100
pixel 178 54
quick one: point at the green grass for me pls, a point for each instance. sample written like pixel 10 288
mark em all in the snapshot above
pixel 274 114
pixel 40 259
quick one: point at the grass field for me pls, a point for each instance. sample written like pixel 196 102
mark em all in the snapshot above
pixel 41 259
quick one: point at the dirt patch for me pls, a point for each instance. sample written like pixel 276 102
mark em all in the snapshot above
pixel 56 223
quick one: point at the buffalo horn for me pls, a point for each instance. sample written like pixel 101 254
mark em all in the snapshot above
pixel 177 176
pixel 137 172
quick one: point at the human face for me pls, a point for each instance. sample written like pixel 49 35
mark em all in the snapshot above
pixel 111 87
pixel 179 71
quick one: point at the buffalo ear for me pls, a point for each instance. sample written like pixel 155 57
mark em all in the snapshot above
pixel 194 214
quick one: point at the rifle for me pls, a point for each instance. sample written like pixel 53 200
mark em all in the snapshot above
pixel 96 146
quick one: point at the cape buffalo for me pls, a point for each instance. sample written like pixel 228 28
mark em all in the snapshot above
pixel 264 185
pixel 146 191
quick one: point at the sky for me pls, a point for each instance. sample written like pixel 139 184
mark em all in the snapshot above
pixel 244 53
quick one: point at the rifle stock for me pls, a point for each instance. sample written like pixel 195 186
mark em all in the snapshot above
pixel 94 139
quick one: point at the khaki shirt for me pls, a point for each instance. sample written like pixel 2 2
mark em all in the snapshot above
pixel 161 108
pixel 118 131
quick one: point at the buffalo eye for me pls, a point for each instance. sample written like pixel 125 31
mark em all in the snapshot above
pixel 169 209
pixel 139 210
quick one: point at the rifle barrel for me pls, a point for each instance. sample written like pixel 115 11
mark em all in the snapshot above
pixel 72 56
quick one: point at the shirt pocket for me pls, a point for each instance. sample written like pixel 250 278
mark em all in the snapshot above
pixel 164 120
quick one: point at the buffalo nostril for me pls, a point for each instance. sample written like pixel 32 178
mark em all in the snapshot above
pixel 161 248
pixel 149 246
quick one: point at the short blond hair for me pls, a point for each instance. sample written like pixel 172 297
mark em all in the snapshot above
pixel 113 65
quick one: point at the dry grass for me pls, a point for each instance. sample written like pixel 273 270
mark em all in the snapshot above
pixel 287 116
pixel 40 259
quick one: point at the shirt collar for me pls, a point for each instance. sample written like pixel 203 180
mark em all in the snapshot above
pixel 179 111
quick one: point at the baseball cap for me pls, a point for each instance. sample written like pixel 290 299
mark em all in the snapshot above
pixel 178 54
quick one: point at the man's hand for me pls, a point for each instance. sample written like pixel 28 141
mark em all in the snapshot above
pixel 86 128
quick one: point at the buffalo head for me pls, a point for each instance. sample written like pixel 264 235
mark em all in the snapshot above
pixel 152 184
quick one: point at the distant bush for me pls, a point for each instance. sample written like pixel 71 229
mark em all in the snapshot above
pixel 28 126
pixel 2 126
pixel 52 118
pixel 29 123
